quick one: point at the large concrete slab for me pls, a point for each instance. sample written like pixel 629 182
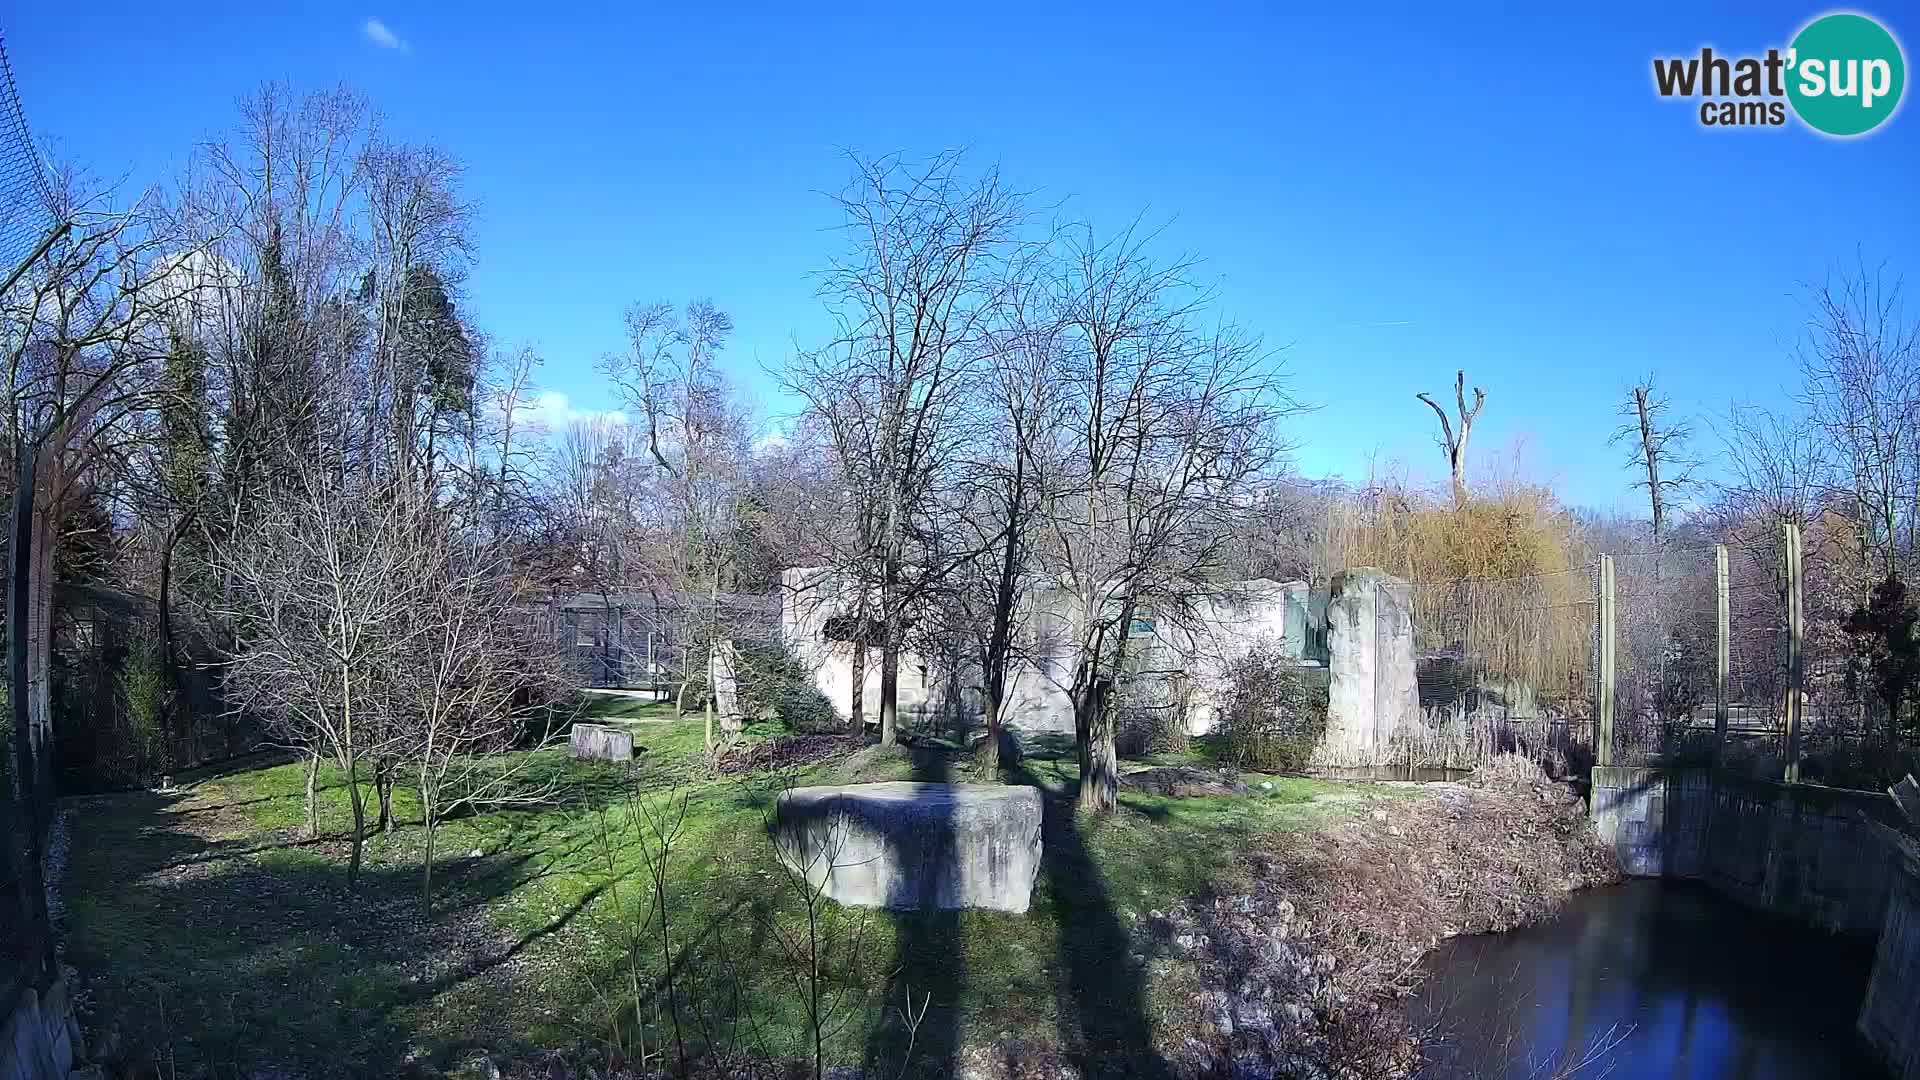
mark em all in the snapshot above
pixel 912 846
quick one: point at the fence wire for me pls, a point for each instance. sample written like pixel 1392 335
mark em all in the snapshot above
pixel 26 199
pixel 26 786
pixel 1665 652
pixel 1503 665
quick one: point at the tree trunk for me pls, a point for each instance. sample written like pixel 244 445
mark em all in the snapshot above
pixel 383 788
pixel 858 709
pixel 1100 766
pixel 313 780
pixel 176 719
pixel 1000 640
pixel 990 754
pixel 713 647
pixel 359 804
pixel 429 822
pixel 889 692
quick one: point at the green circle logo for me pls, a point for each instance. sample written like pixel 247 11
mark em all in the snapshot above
pixel 1845 74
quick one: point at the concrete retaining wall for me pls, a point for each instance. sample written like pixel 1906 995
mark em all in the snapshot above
pixel 1827 857
pixel 1887 1017
pixel 40 1039
pixel 1811 853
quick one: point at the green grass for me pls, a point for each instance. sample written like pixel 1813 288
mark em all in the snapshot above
pixel 214 936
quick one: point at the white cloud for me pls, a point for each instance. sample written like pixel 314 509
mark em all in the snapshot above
pixel 553 411
pixel 382 35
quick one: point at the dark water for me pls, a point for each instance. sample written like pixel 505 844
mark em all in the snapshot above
pixel 1649 979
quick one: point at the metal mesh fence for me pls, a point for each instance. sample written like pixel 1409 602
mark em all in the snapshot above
pixel 1666 704
pixel 1665 646
pixel 1504 666
pixel 26 200
pixel 26 214
pixel 1516 665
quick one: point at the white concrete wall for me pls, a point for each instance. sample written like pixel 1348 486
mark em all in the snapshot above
pixel 1231 625
pixel 1039 688
pixel 809 598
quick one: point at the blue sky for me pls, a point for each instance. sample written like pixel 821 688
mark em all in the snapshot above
pixel 1391 197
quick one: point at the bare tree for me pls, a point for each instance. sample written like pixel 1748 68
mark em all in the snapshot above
pixel 1452 443
pixel 472 682
pixel 698 439
pixel 1169 427
pixel 1659 451
pixel 1860 366
pixel 912 297
pixel 327 584
pixel 997 508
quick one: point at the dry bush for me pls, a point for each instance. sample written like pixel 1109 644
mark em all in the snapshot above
pixel 1509 771
pixel 1271 720
pixel 1502 582
pixel 785 751
pixel 1150 718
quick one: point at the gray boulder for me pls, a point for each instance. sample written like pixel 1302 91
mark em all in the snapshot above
pixel 914 846
pixel 600 742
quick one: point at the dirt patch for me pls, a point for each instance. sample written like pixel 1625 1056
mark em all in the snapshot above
pixel 785 751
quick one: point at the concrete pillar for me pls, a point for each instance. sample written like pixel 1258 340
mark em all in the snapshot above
pixel 1371 692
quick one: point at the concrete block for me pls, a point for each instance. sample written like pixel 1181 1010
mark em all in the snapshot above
pixel 914 846
pixel 600 742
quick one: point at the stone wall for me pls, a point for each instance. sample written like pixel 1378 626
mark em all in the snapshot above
pixel 1893 994
pixel 1811 853
pixel 40 1040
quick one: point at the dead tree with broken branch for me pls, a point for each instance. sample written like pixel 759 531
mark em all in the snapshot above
pixel 1452 443
pixel 1659 454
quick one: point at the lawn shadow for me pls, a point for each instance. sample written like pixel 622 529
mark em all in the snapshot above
pixel 1099 990
pixel 227 956
pixel 918 1033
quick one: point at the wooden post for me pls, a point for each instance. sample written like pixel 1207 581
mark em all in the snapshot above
pixel 1722 637
pixel 1795 659
pixel 1603 684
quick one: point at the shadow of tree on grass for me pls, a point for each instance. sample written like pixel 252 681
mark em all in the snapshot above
pixel 1100 992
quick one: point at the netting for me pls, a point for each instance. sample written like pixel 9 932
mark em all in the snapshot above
pixel 26 200
pixel 1665 652
pixel 26 214
pixel 1504 666
pixel 1666 662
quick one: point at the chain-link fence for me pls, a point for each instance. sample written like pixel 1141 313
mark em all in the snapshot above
pixel 1665 651
pixel 1669 636
pixel 1503 666
pixel 122 717
pixel 1518 665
